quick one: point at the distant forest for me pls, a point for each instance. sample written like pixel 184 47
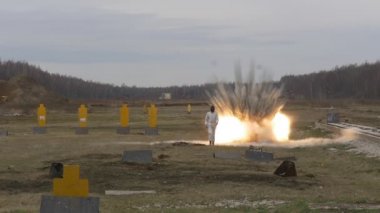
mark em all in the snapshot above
pixel 345 82
pixel 76 88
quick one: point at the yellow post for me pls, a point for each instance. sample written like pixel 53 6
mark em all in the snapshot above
pixel 153 116
pixel 70 185
pixel 41 115
pixel 82 112
pixel 189 109
pixel 124 115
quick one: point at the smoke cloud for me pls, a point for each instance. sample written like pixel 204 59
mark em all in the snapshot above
pixel 247 100
pixel 345 136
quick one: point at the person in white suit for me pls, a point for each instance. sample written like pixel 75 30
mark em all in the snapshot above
pixel 211 121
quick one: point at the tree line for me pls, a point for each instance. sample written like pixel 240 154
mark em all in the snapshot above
pixel 346 82
pixel 76 88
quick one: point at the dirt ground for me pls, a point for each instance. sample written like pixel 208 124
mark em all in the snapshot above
pixel 187 178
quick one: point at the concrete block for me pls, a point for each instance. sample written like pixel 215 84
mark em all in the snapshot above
pixel 52 204
pixel 151 131
pixel 3 133
pixel 122 130
pixel 258 155
pixel 39 130
pixel 333 117
pixel 138 156
pixel 81 131
pixel 228 155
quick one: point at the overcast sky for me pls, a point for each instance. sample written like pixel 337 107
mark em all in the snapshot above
pixel 177 42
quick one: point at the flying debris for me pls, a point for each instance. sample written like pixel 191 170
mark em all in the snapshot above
pixel 249 111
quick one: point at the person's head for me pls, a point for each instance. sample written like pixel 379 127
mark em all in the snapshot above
pixel 212 109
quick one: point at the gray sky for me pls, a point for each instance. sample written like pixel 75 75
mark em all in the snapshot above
pixel 176 42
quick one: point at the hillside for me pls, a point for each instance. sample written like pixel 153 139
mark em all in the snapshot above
pixel 75 88
pixel 24 92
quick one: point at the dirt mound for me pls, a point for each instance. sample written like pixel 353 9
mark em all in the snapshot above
pixel 22 92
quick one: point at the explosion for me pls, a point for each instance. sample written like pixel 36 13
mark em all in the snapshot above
pixel 281 127
pixel 231 130
pixel 249 111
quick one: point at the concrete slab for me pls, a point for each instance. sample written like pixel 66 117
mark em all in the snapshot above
pixel 3 133
pixel 122 130
pixel 39 130
pixel 256 155
pixel 151 131
pixel 138 156
pixel 81 131
pixel 52 204
pixel 228 155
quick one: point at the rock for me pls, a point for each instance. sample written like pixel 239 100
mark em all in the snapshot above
pixel 286 169
pixel 56 170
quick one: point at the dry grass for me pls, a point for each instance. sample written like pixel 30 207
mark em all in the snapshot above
pixel 190 179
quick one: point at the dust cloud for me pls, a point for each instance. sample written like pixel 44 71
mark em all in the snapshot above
pixel 346 136
pixel 247 100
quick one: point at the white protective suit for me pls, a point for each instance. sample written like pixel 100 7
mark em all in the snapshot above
pixel 211 121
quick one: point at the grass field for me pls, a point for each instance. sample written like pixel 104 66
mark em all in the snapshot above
pixel 187 178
